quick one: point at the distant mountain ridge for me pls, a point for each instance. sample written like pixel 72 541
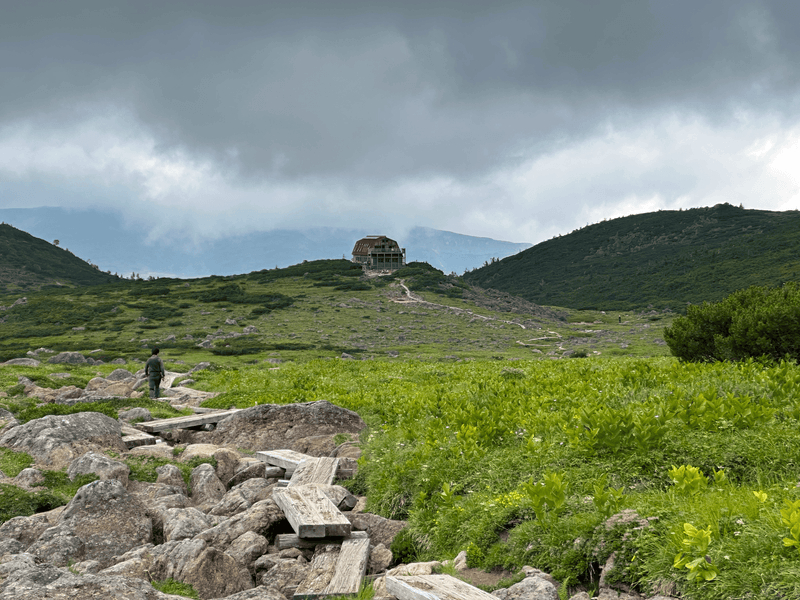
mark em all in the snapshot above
pixel 29 263
pixel 105 239
pixel 665 259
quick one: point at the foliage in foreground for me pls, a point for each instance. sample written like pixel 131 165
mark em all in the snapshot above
pixel 170 586
pixel 755 322
pixel 560 464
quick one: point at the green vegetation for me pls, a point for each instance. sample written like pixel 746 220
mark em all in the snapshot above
pixel 143 468
pixel 756 322
pixel 559 464
pixel 59 490
pixel 666 259
pixel 29 263
pixel 170 586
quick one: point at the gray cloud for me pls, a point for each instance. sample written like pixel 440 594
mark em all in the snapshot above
pixel 506 119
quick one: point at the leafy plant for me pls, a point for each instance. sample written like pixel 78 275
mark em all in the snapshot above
pixel 688 480
pixel 694 558
pixel 547 496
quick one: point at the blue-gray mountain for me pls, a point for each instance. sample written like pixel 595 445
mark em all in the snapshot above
pixel 104 239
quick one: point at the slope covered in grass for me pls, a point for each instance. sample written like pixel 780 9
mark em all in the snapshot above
pixel 666 259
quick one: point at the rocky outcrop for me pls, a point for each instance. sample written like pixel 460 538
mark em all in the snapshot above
pixel 277 426
pixel 100 465
pixel 56 441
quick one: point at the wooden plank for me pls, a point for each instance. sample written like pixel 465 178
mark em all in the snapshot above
pixel 185 422
pixel 315 470
pixel 139 439
pixel 310 512
pixel 433 587
pixel 350 568
pixel 320 573
pixel 286 459
pixel 336 570
pixel 292 540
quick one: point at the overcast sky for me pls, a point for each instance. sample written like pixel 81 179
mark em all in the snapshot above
pixel 512 120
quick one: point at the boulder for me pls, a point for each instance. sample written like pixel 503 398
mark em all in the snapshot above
pixel 184 523
pixel 198 451
pixel 530 588
pixel 286 576
pixel 7 421
pixel 28 477
pixel 172 476
pixel 26 530
pixel 260 518
pixel 227 461
pixel 22 362
pixel 138 414
pixel 100 465
pixel 247 548
pixel 380 529
pixel 248 469
pixel 242 497
pixel 56 440
pixel 380 557
pixel 258 593
pixel 101 521
pixel 71 358
pixel 279 426
pixel 206 486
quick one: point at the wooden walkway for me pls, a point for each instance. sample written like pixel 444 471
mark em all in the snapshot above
pixel 433 587
pixel 186 422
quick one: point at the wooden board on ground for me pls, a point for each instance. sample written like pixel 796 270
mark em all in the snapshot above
pixel 315 470
pixel 336 570
pixel 138 439
pixel 310 513
pixel 433 587
pixel 185 422
pixel 286 459
pixel 292 540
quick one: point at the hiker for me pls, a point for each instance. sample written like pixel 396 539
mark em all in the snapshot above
pixel 154 371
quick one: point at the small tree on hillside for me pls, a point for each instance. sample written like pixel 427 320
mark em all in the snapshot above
pixel 754 322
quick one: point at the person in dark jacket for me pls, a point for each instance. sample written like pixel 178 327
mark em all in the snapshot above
pixel 154 371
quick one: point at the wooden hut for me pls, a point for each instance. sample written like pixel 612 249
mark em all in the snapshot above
pixel 380 253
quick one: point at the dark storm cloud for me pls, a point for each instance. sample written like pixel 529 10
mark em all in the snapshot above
pixel 372 90
pixel 516 120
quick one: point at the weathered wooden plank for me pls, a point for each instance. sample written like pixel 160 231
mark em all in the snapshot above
pixel 185 422
pixel 320 573
pixel 286 459
pixel 433 587
pixel 350 568
pixel 292 540
pixel 310 513
pixel 138 439
pixel 315 470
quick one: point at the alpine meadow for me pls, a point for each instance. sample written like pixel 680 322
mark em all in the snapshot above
pixel 617 402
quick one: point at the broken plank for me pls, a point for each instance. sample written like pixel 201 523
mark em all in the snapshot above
pixel 286 459
pixel 292 540
pixel 310 512
pixel 320 572
pixel 138 439
pixel 350 568
pixel 433 587
pixel 336 570
pixel 185 422
pixel 315 470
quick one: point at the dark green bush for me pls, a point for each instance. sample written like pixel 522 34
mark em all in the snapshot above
pixel 754 322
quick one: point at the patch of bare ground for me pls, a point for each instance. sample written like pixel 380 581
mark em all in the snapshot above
pixel 484 579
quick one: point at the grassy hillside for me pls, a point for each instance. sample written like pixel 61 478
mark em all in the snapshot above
pixel 666 259
pixel 29 263
pixel 313 310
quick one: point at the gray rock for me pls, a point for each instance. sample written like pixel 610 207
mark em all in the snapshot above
pixel 7 421
pixel 227 461
pixel 530 588
pixel 206 486
pixel 184 523
pixel 380 529
pixel 119 375
pixel 29 477
pixel 279 426
pixel 27 529
pixel 117 361
pixel 380 557
pixel 172 476
pixel 57 440
pixel 200 366
pixel 286 576
pixel 101 521
pixel 250 329
pixel 247 548
pixel 259 593
pixel 72 358
pixel 242 497
pixel 259 518
pixel 138 414
pixel 23 362
pixel 100 465
pixel 252 470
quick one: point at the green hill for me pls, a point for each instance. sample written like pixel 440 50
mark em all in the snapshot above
pixel 29 263
pixel 666 259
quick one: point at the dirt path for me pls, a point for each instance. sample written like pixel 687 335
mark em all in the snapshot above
pixel 411 298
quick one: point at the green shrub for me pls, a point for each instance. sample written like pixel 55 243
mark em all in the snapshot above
pixel 170 586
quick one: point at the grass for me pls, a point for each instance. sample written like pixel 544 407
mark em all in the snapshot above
pixel 170 586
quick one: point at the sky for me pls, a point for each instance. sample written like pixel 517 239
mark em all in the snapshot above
pixel 517 121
